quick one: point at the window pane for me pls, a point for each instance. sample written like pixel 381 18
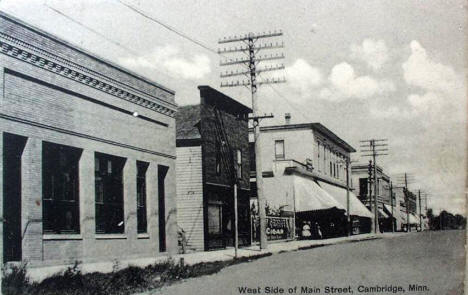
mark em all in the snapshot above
pixel 279 149
pixel 214 219
pixel 141 196
pixel 109 194
pixel 60 188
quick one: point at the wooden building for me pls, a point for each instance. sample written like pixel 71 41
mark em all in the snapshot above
pixel 212 152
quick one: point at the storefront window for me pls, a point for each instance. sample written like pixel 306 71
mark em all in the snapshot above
pixel 141 196
pixel 61 210
pixel 214 218
pixel 109 194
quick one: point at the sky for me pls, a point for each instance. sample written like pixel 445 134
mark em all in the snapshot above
pixel 364 69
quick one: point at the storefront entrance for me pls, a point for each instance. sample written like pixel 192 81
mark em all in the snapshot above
pixel 13 146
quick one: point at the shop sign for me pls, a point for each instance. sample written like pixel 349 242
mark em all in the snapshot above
pixel 278 228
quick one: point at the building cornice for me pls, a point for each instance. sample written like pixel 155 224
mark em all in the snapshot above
pixel 53 63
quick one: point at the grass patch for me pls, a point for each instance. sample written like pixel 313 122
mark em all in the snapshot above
pixel 120 282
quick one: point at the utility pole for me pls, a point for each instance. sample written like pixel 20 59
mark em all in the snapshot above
pixel 420 212
pixel 408 226
pixel 369 190
pixel 391 206
pixel 347 162
pixel 403 181
pixel 376 147
pixel 251 48
pixel 348 216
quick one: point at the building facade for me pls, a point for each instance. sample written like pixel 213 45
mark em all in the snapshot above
pixel 409 209
pixel 212 154
pixel 364 189
pixel 88 154
pixel 304 172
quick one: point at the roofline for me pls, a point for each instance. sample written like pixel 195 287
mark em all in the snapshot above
pixel 366 166
pixel 241 105
pixel 83 51
pixel 315 126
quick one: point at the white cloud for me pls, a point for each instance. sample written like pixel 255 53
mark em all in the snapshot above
pixel 425 103
pixel 419 70
pixel 443 90
pixel 373 52
pixel 344 84
pixel 392 112
pixel 302 76
pixel 170 60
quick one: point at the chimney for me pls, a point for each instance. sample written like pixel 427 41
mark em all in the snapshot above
pixel 287 118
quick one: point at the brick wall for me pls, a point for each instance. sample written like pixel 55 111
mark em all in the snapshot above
pixel 44 41
pixel 237 134
pixel 44 106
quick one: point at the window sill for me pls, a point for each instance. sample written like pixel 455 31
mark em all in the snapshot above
pixel 143 236
pixel 62 237
pixel 110 236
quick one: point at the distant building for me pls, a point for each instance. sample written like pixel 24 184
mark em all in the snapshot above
pixel 212 148
pixel 304 172
pixel 362 186
pixel 407 200
pixel 88 165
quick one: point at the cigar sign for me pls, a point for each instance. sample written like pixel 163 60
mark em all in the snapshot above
pixel 277 228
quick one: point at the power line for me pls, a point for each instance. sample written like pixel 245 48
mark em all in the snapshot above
pixel 167 26
pixel 90 29
pixel 287 101
pixel 199 43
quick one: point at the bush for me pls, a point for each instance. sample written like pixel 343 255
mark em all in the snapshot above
pixel 16 281
pixel 119 282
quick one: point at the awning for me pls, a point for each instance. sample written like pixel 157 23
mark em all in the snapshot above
pixel 309 196
pixel 382 214
pixel 412 218
pixel 389 209
pixel 355 206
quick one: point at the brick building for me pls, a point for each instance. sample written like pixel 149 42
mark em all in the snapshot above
pixel 212 139
pixel 88 154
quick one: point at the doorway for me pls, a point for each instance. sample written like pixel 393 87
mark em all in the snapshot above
pixel 13 146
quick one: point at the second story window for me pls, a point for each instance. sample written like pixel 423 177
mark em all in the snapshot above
pixel 218 157
pixel 279 149
pixel 318 156
pixel 324 160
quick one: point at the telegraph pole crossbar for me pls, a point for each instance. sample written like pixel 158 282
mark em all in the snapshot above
pixel 374 152
pixel 252 72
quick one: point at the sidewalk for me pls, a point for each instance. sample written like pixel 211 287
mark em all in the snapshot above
pixel 273 248
pixel 40 273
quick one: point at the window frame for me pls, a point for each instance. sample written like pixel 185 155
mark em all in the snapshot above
pixel 239 163
pixel 142 197
pixel 60 163
pixel 110 179
pixel 280 156
pixel 219 206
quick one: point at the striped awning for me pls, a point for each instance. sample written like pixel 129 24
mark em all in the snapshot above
pixel 356 207
pixel 309 196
